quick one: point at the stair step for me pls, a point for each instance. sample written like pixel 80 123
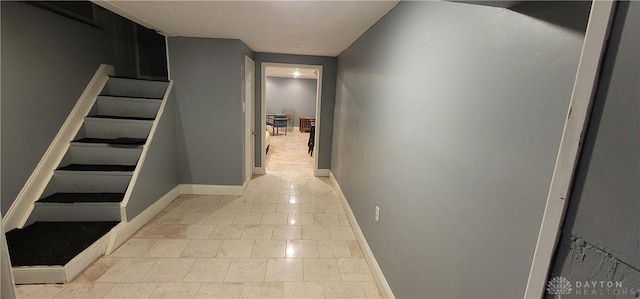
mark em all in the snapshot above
pixel 77 211
pixel 139 79
pixel 82 197
pixel 101 153
pixel 53 243
pixel 126 106
pixel 91 181
pixel 109 128
pixel 119 120
pixel 123 141
pixel 121 117
pixel 127 87
pixel 98 167
pixel 123 96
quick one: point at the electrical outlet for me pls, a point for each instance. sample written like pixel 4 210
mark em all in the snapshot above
pixel 377 215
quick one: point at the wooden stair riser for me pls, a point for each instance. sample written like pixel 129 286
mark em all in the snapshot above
pixel 127 107
pixel 79 154
pixel 116 128
pixel 75 181
pixel 104 211
pixel 135 88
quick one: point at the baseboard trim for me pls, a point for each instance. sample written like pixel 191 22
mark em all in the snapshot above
pixel 378 276
pixel 74 267
pixel 259 171
pixel 123 231
pixel 322 172
pixel 44 274
pixel 213 189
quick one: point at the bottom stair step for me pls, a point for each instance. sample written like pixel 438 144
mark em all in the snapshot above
pixel 83 197
pixel 53 243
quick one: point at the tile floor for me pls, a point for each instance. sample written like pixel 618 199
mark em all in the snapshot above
pixel 287 237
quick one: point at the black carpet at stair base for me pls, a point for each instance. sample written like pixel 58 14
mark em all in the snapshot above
pixel 98 167
pixel 53 243
pixel 83 197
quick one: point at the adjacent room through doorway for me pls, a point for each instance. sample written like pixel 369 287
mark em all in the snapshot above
pixel 291 107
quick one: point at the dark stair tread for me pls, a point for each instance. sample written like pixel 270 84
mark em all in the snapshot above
pixel 139 79
pixel 126 96
pixel 83 197
pixel 115 141
pixel 97 167
pixel 53 243
pixel 121 117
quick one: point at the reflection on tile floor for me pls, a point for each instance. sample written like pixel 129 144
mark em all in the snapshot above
pixel 288 153
pixel 287 237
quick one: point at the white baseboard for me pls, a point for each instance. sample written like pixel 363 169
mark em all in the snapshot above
pixel 322 172
pixel 259 170
pixel 213 189
pixel 125 230
pixel 74 267
pixel 378 276
pixel 39 274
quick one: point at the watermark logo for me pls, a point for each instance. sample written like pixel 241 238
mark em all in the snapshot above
pixel 559 286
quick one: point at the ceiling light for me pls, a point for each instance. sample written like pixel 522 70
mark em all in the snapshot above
pixel 296 74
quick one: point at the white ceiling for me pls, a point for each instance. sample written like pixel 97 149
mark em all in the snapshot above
pixel 323 28
pixel 289 72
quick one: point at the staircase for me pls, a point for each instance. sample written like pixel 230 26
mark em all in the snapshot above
pixel 69 225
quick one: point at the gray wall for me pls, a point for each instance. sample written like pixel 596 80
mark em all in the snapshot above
pixel 601 234
pixel 47 61
pixel 327 99
pixel 208 75
pixel 298 94
pixel 448 117
pixel 159 174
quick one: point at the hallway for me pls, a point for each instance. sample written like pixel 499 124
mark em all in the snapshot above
pixel 287 237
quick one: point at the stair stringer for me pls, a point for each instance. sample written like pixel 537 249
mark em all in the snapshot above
pixel 154 182
pixel 23 205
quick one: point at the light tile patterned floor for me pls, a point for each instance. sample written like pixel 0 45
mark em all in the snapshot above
pixel 287 237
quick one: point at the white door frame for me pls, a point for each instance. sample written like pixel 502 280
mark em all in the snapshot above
pixel 248 105
pixel 584 89
pixel 263 107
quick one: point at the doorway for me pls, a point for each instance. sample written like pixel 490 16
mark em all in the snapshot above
pixel 285 93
